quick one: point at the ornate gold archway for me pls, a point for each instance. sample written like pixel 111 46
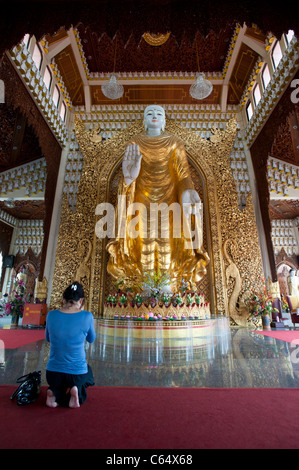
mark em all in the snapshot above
pixel 226 222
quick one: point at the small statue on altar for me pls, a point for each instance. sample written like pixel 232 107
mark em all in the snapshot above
pixel 156 173
pixel 41 290
pixel 293 283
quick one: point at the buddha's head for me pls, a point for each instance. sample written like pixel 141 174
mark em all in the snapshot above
pixel 154 118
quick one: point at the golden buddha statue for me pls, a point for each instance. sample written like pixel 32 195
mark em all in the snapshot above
pixel 155 176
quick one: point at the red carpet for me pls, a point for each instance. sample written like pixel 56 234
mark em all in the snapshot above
pixel 156 418
pixel 10 339
pixel 288 336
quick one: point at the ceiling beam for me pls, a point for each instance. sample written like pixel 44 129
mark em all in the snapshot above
pixel 87 98
pixel 54 49
pixel 255 45
pixel 77 55
pixel 223 99
pixel 156 81
pixel 235 54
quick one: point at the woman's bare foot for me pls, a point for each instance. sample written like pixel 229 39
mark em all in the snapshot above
pixel 51 400
pixel 74 400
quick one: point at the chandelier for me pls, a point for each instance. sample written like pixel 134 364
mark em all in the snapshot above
pixel 202 87
pixel 113 89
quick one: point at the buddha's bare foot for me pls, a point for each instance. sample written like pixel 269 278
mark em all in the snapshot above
pixel 51 400
pixel 74 400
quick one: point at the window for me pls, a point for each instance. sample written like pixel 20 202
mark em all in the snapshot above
pixel 276 54
pixel 266 76
pixel 37 56
pixel 256 94
pixel 56 96
pixel 290 35
pixel 47 78
pixel 249 110
pixel 63 111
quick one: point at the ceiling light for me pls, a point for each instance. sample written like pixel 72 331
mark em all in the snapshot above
pixel 112 89
pixel 201 88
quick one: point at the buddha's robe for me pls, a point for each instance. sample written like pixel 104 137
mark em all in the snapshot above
pixel 164 176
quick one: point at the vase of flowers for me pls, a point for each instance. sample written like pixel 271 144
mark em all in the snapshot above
pixel 15 304
pixel 123 300
pixel 284 304
pixel 138 300
pixel 260 304
pixel 165 299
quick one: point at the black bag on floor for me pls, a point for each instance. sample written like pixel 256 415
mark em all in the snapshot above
pixel 29 388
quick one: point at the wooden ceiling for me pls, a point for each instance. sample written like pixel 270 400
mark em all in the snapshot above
pixel 131 56
pixel 283 209
pixel 103 55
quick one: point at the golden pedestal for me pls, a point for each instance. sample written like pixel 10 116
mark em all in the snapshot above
pixel 202 312
pixel 172 333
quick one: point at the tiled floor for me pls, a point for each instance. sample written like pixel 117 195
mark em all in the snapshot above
pixel 227 357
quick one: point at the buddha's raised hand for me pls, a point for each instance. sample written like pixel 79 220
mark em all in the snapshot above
pixel 131 163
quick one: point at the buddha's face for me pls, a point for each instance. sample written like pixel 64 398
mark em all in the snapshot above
pixel 154 118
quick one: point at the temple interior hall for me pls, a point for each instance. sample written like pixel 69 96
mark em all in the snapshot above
pixel 79 82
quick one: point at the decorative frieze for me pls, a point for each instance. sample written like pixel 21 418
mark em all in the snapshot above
pixel 283 179
pixel 22 59
pixel 30 179
pixel 112 118
pixel 7 218
pixel 30 235
pixel 283 236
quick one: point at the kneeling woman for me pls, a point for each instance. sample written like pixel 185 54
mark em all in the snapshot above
pixel 68 373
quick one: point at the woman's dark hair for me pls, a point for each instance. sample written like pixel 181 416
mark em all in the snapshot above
pixel 74 292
